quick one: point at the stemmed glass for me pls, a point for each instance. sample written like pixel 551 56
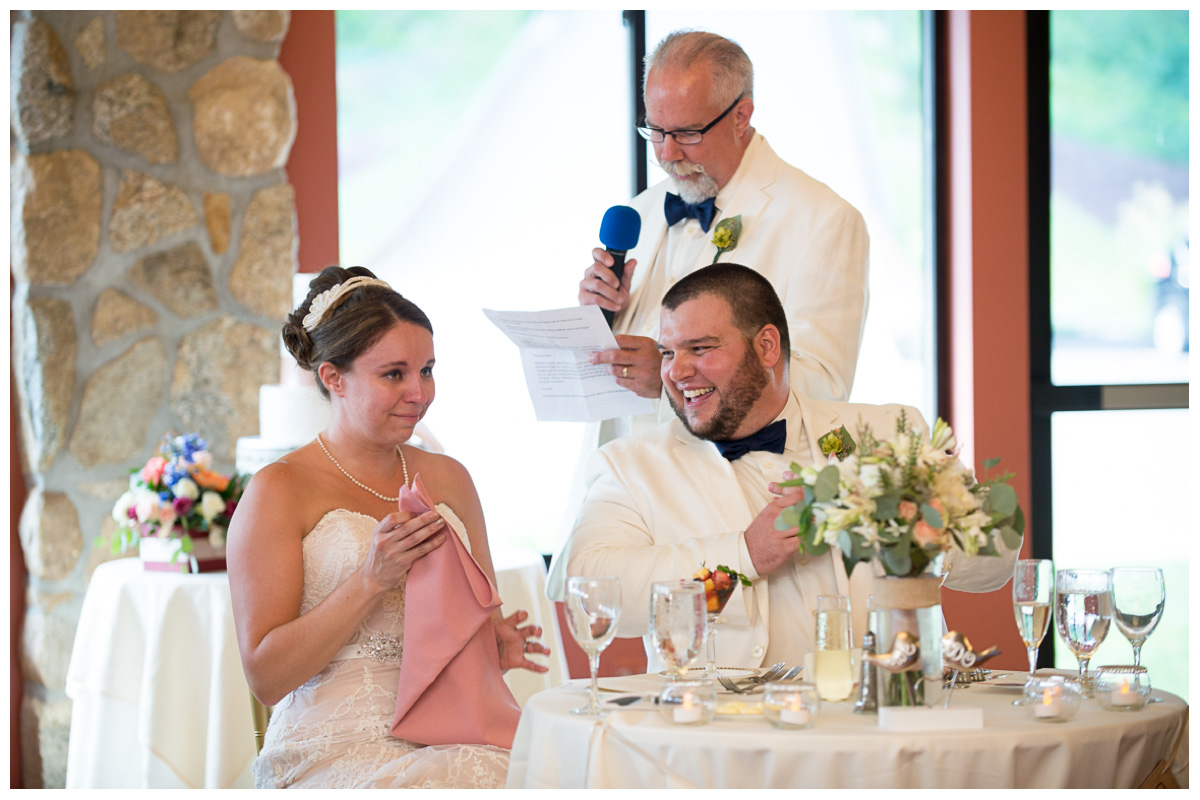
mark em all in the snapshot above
pixel 593 607
pixel 1138 598
pixel 1033 594
pixel 1083 610
pixel 678 625
pixel 717 592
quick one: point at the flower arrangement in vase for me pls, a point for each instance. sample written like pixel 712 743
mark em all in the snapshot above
pixel 902 502
pixel 177 508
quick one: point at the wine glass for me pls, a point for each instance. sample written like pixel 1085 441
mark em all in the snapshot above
pixel 717 592
pixel 593 607
pixel 1138 598
pixel 1083 610
pixel 1033 594
pixel 678 625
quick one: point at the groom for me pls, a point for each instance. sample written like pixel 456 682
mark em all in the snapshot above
pixel 702 489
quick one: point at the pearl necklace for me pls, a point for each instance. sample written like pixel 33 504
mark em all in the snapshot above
pixel 360 484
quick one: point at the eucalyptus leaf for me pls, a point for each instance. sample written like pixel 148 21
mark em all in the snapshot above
pixel 826 487
pixel 782 522
pixel 1002 500
pixel 991 462
pixel 812 544
pixel 896 560
pixel 932 517
pixel 887 506
pixel 1019 521
pixel 1012 539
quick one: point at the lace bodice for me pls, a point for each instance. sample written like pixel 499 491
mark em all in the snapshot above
pixel 332 551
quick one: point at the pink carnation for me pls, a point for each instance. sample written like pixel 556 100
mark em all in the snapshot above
pixel 152 472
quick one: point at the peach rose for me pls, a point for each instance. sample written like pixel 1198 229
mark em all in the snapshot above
pixel 908 510
pixel 925 534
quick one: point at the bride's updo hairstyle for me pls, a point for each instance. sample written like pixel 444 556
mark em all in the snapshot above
pixel 346 312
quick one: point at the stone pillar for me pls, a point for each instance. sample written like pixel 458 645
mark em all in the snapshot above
pixel 153 240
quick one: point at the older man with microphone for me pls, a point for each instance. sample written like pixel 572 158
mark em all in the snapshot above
pixel 728 192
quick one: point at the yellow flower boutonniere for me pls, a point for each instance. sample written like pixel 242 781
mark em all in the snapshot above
pixel 838 442
pixel 725 237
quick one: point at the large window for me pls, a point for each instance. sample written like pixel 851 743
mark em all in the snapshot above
pixel 1109 307
pixel 478 152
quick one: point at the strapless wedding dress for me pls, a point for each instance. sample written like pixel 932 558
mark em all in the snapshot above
pixel 335 731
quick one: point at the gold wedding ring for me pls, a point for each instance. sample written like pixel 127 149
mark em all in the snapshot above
pixel 624 372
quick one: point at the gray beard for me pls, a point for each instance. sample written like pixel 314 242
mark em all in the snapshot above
pixel 694 191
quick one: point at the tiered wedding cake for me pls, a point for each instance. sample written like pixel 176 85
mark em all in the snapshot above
pixel 290 413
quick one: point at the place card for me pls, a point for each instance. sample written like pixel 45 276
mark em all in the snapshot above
pixel 901 718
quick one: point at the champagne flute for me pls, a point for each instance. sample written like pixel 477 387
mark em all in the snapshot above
pixel 1033 594
pixel 678 624
pixel 1138 598
pixel 593 607
pixel 1083 611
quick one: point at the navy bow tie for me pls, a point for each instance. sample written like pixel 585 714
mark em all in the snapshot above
pixel 770 438
pixel 675 210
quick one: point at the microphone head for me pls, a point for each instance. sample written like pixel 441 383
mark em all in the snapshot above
pixel 620 228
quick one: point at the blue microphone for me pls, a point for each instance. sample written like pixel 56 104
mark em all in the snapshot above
pixel 619 232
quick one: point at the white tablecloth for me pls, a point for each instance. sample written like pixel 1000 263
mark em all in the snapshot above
pixel 159 698
pixel 634 748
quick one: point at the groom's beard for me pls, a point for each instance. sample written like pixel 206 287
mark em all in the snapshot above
pixel 694 191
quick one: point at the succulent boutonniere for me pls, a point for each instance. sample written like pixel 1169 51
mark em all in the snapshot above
pixel 838 442
pixel 726 234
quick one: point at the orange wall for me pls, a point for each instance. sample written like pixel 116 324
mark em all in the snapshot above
pixel 308 55
pixel 989 282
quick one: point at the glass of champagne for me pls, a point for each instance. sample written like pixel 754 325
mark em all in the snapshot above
pixel 1139 595
pixel 1082 612
pixel 678 624
pixel 593 607
pixel 832 670
pixel 1033 595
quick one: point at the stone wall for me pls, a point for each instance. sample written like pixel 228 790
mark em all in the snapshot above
pixel 152 245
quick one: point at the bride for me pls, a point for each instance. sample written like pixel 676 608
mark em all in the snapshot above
pixel 318 554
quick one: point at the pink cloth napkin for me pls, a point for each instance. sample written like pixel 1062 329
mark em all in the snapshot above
pixel 451 688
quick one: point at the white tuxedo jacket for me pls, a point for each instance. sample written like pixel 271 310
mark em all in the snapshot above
pixel 660 503
pixel 796 232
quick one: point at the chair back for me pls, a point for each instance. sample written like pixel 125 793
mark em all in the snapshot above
pixel 260 716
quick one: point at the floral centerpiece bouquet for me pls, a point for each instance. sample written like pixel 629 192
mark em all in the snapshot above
pixel 901 501
pixel 177 495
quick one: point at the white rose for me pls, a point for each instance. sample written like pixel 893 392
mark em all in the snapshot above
pixel 211 504
pixel 186 487
pixel 216 536
pixel 120 511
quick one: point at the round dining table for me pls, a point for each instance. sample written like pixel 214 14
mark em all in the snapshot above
pixel 635 747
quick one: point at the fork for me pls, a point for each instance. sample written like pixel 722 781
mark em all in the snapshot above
pixel 771 674
pixel 730 685
pixel 791 673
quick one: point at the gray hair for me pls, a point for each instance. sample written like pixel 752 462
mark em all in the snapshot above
pixel 733 74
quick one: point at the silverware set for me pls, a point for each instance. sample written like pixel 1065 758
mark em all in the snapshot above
pixel 776 672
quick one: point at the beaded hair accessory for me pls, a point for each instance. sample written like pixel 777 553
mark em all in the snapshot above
pixel 328 300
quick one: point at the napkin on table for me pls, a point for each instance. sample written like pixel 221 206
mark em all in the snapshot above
pixel 451 688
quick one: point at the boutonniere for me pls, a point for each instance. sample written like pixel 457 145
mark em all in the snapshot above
pixel 837 442
pixel 725 237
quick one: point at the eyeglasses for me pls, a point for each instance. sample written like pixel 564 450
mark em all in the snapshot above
pixel 657 135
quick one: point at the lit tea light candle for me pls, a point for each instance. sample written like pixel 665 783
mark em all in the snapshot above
pixel 1124 695
pixel 794 713
pixel 1051 705
pixel 688 711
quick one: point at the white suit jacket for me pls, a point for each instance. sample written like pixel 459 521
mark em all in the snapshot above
pixel 796 232
pixel 660 503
